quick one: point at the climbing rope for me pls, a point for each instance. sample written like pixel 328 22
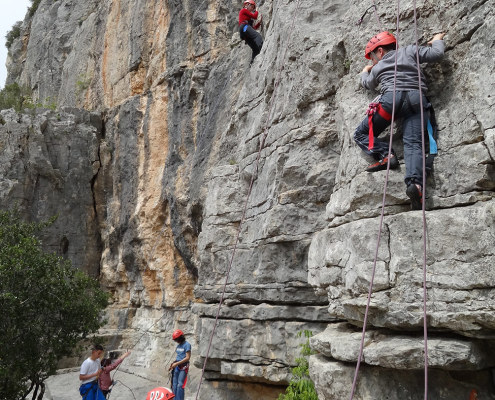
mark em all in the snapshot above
pixel 425 322
pixel 152 325
pixel 243 216
pixel 425 328
pixel 377 17
pixel 370 290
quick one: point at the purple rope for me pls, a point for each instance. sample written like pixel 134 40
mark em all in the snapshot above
pixel 253 177
pixel 425 323
pixel 365 321
pixel 377 18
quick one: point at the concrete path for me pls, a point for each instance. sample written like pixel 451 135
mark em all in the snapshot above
pixel 130 386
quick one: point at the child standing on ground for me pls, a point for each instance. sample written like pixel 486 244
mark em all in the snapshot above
pixel 105 381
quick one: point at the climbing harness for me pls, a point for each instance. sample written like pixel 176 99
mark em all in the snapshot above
pixel 243 216
pixel 431 125
pixel 374 108
pixel 433 151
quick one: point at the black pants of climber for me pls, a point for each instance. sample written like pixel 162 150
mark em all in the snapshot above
pixel 409 111
pixel 252 38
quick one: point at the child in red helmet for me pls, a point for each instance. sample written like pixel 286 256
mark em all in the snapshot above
pixel 381 50
pixel 160 393
pixel 180 367
pixel 247 28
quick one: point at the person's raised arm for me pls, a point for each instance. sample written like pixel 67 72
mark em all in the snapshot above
pixel 438 36
pixel 434 52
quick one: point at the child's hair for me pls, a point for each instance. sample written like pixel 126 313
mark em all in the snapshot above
pixel 106 362
pixel 388 47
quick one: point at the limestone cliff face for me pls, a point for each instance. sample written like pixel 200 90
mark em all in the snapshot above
pixel 168 174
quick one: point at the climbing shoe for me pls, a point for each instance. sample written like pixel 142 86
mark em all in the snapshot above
pixel 382 164
pixel 415 193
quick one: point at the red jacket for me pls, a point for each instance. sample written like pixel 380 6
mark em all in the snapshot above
pixel 245 17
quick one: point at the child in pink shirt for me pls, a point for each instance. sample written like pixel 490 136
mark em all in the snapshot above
pixel 105 381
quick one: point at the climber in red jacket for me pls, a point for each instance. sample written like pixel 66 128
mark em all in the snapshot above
pixel 248 25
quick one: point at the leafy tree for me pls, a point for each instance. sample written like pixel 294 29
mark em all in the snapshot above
pixel 16 97
pixel 47 308
pixel 301 387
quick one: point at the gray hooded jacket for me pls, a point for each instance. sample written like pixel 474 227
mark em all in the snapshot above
pixel 407 73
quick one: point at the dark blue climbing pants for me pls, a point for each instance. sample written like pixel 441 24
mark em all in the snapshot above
pixel 252 38
pixel 408 110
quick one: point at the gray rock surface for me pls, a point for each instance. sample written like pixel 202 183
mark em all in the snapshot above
pixel 170 170
pixel 48 165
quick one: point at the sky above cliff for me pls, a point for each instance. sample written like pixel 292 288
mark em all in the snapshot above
pixel 12 11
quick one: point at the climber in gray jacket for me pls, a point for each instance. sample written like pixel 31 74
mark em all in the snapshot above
pixel 381 51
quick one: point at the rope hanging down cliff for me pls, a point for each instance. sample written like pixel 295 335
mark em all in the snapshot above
pixel 253 177
pixel 425 330
pixel 176 302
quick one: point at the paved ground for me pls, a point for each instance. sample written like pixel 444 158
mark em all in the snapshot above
pixel 130 386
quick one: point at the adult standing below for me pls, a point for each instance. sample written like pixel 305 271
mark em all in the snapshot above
pixel 381 50
pixel 180 367
pixel 247 28
pixel 90 371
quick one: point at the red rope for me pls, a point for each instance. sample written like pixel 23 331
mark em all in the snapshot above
pixel 253 177
pixel 370 290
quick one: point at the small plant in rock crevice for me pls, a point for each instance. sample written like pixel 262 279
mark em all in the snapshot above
pixel 301 387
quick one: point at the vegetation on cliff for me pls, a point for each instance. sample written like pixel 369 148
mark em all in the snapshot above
pixel 13 34
pixel 20 98
pixel 301 387
pixel 47 308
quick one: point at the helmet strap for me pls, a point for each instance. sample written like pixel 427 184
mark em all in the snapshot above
pixel 374 56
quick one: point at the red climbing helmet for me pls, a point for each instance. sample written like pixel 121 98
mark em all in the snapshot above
pixel 160 393
pixel 177 334
pixel 382 39
pixel 250 2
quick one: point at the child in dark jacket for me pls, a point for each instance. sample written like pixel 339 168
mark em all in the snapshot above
pixel 381 50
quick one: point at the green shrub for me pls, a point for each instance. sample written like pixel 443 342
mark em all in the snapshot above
pixel 19 98
pixel 13 34
pixel 34 6
pixel 13 96
pixel 301 387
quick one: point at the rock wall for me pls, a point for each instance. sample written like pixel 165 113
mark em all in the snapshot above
pixel 48 166
pixel 183 116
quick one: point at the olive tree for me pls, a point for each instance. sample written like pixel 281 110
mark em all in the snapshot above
pixel 47 307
